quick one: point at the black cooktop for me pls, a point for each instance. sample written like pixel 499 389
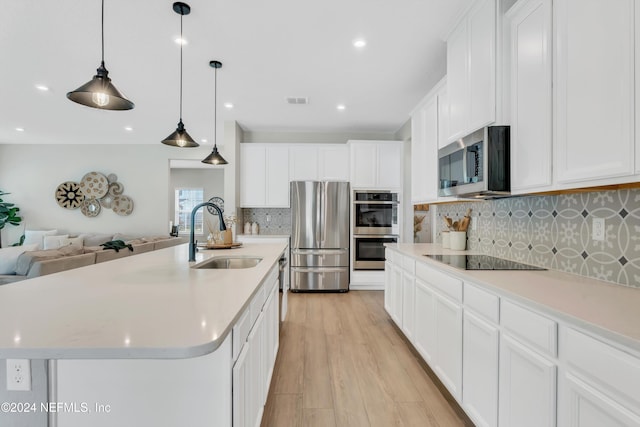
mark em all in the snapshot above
pixel 482 262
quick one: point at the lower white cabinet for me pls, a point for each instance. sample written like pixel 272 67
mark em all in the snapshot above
pixel 480 370
pixel 527 386
pixel 393 292
pixel 408 304
pixel 253 369
pixel 448 342
pixel 424 337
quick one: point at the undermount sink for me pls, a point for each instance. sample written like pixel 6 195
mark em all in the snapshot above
pixel 228 262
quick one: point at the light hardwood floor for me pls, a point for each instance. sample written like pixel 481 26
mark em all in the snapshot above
pixel 343 363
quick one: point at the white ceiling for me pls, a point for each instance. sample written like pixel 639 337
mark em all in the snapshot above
pixel 270 50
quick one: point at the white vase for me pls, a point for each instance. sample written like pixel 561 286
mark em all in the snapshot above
pixel 445 240
pixel 458 240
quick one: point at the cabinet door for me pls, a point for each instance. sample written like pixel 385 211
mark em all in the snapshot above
pixel 333 162
pixel 448 326
pixel 396 309
pixel 277 177
pixel 482 64
pixel 594 89
pixel 529 26
pixel 388 287
pixel 303 163
pixel 257 393
pixel 458 81
pixel 408 304
pixel 480 367
pixel 443 119
pixel 242 389
pixel 389 165
pixel 424 153
pixel 252 176
pixel 364 162
pixel 584 406
pixel 527 386
pixel 424 340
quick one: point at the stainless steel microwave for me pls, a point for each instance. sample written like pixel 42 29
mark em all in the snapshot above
pixel 476 165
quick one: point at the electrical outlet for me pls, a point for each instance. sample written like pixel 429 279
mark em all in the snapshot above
pixel 597 229
pixel 474 223
pixel 18 375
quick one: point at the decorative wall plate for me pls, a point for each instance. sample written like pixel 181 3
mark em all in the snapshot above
pixel 107 201
pixel 218 202
pixel 112 177
pixel 122 205
pixel 94 185
pixel 116 189
pixel 69 196
pixel 90 208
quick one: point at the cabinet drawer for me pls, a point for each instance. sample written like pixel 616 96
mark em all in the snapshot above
pixel 256 303
pixel 482 302
pixel 241 332
pixel 610 368
pixel 446 284
pixel 538 331
pixel 409 265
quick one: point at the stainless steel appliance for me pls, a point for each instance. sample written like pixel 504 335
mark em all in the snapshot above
pixel 375 222
pixel 368 251
pixel 319 236
pixel 476 165
pixel 482 262
pixel 375 212
pixel 283 279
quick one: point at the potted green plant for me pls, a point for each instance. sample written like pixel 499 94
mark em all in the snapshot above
pixel 9 214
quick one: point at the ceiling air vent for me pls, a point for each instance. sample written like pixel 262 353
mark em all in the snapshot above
pixel 297 100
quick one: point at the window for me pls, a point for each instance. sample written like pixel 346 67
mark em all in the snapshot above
pixel 186 199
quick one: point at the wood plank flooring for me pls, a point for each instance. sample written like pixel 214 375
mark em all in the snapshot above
pixel 342 363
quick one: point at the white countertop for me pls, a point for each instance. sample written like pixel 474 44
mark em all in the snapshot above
pixel 610 310
pixel 151 305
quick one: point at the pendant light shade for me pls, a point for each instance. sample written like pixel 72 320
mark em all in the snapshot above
pixel 215 158
pixel 99 92
pixel 180 137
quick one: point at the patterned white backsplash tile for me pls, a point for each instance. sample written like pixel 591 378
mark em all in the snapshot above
pixel 270 220
pixel 555 232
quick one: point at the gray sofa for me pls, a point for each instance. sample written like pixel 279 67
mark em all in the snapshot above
pixel 42 262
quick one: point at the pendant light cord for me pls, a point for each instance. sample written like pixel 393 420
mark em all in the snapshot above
pixel 181 44
pixel 102 25
pixel 215 107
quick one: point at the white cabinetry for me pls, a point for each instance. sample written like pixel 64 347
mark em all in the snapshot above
pixel 424 152
pixel 264 175
pixel 376 164
pixel 599 386
pixel 319 162
pixel 408 296
pixel 480 356
pixel 528 27
pixel 594 90
pixel 471 70
pixel 424 339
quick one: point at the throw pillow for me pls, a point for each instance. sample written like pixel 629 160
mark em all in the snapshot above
pixel 54 242
pixel 9 257
pixel 37 236
pixel 74 241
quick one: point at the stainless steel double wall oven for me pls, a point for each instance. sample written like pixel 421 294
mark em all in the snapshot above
pixel 375 222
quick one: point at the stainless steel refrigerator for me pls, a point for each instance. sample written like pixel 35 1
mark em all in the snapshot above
pixel 319 236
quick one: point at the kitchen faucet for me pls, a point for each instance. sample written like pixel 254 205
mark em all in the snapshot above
pixel 192 243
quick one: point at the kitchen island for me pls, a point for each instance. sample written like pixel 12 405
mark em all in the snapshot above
pixel 148 337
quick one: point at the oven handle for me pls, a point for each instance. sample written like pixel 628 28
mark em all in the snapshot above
pixel 364 202
pixel 375 236
pixel 319 270
pixel 319 251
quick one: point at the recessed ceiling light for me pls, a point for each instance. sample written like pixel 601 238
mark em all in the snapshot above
pixel 360 43
pixel 128 128
pixel 341 107
pixel 204 140
pixel 182 41
pixel 20 129
pixel 228 105
pixel 43 88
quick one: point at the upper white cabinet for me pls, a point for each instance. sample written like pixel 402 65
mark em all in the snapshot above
pixel 264 175
pixel 376 164
pixel 528 28
pixel 319 162
pixel 594 90
pixel 471 70
pixel 424 152
pixel 443 113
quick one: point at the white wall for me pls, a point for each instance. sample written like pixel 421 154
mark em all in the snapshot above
pixel 31 173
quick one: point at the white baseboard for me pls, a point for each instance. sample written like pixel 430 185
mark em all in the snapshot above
pixel 366 286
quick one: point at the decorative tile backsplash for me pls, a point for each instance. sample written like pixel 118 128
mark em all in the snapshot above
pixel 270 220
pixel 555 232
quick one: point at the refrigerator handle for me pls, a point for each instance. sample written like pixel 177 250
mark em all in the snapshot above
pixel 318 217
pixel 324 213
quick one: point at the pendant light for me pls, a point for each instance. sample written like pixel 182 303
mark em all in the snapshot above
pixel 180 137
pixel 100 92
pixel 215 158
